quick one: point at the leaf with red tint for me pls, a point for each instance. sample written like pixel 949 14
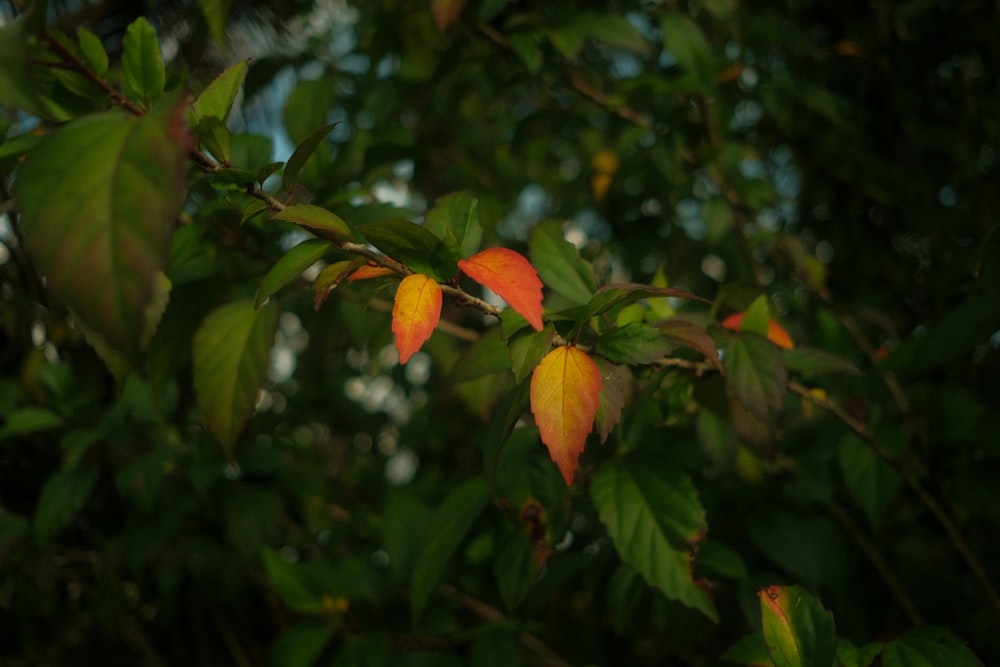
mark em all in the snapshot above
pixel 415 314
pixel 565 395
pixel 512 277
pixel 369 271
pixel 775 332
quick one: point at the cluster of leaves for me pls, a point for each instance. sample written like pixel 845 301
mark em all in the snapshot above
pixel 591 465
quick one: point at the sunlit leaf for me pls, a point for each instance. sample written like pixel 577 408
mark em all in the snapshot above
pixel 798 631
pixel 565 394
pixel 653 518
pixel 218 97
pixel 512 277
pixel 451 521
pixel 415 313
pixel 231 352
pixel 102 237
pixel 315 219
pixel 142 63
pixel 290 266
pixel 368 271
pixel 559 264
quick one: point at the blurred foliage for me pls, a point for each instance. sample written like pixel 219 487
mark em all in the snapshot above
pixel 839 158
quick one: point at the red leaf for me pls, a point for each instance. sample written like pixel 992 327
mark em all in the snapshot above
pixel 565 394
pixel 415 314
pixel 512 277
pixel 369 271
pixel 775 332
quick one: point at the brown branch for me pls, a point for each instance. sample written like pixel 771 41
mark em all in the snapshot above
pixel 929 501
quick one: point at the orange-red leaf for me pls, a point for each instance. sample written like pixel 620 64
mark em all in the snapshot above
pixel 775 332
pixel 512 277
pixel 369 271
pixel 565 394
pixel 415 314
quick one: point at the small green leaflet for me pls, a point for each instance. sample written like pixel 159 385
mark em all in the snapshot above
pixel 290 266
pixel 142 63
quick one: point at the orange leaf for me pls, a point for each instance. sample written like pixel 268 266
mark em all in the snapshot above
pixel 565 394
pixel 512 277
pixel 369 271
pixel 775 332
pixel 415 314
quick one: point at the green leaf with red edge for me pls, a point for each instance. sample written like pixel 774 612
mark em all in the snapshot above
pixel 231 352
pixel 682 332
pixel 415 313
pixel 101 237
pixel 798 631
pixel 290 266
pixel 330 278
pixel 634 343
pixel 565 394
pixel 614 382
pixel 928 646
pixel 368 271
pixel 512 277
pixel 755 374
pixel 316 219
pixel 654 518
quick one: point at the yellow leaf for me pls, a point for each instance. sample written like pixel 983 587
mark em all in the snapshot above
pixel 415 313
pixel 565 394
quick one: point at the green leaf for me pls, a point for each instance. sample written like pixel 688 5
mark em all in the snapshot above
pixel 302 153
pixel 871 482
pixel 142 63
pixel 653 516
pixel 17 90
pixel 486 356
pixel 231 353
pixel 755 374
pixel 505 418
pixel 633 344
pixel 682 332
pixel 308 107
pixel 214 135
pixel 218 97
pixel 459 214
pixel 811 363
pixel 611 29
pixel 451 521
pixel 798 631
pixel 290 266
pixel 614 382
pixel 301 644
pixel 101 237
pixel 757 317
pixel 749 650
pixel 287 582
pixel 317 220
pixel 527 347
pixel 93 51
pixel 685 40
pixel 63 496
pixel 928 646
pixel 29 420
pixel 216 12
pixel 619 294
pixel 413 245
pixel 559 264
pixel 515 568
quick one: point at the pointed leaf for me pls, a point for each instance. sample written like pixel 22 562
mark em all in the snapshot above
pixel 142 63
pixel 614 380
pixel 625 293
pixel 654 518
pixel 686 41
pixel 17 90
pixel 102 237
pixel 215 136
pixel 458 213
pixel 368 271
pixel 527 348
pixel 30 420
pixel 315 219
pixel 812 363
pixel 412 245
pixel 565 394
pixel 512 277
pixel 451 521
pixel 928 646
pixel 218 97
pixel 93 50
pixel 559 264
pixel 798 631
pixel 634 344
pixel 231 353
pixel 302 153
pixel 755 374
pixel 216 12
pixel 288 582
pixel 486 356
pixel 63 496
pixel 415 313
pixel 682 332
pixel 330 278
pixel 290 266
